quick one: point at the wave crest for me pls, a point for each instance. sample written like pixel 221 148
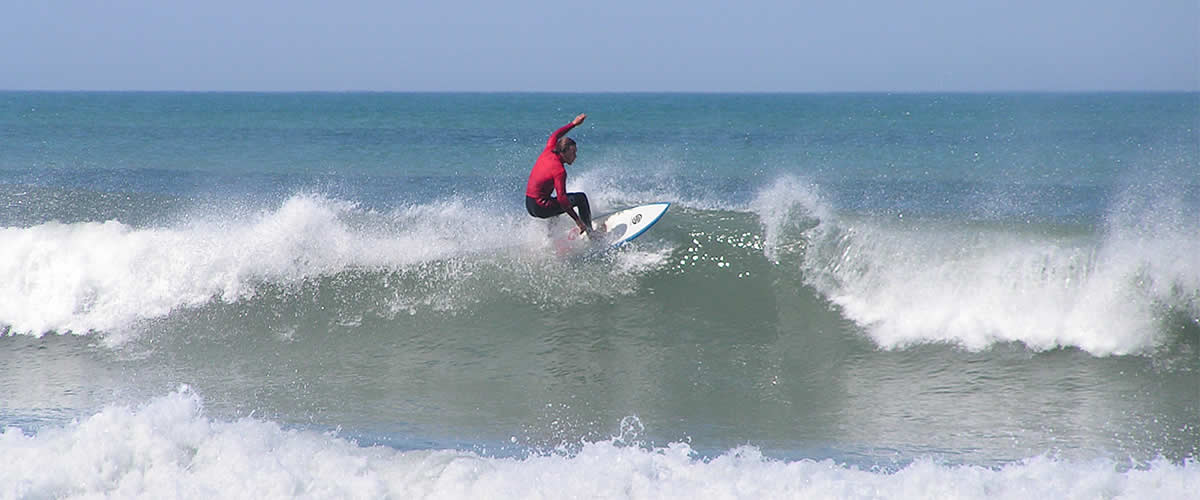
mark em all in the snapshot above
pixel 978 283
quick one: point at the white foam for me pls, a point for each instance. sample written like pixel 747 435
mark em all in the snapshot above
pixel 912 282
pixel 168 448
pixel 105 276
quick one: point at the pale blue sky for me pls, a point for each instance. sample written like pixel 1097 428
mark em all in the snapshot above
pixel 610 45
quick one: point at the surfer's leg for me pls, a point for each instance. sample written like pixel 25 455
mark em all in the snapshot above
pixel 580 202
pixel 539 211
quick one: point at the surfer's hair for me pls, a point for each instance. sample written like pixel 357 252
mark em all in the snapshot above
pixel 564 143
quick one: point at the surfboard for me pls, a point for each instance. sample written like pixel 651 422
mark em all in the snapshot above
pixel 620 227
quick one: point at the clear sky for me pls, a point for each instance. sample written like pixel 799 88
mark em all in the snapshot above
pixel 606 45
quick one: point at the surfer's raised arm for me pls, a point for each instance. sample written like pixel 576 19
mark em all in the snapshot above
pixel 557 135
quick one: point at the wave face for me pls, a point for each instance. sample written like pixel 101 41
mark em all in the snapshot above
pixel 1120 290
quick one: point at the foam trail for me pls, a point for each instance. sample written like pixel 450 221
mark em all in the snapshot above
pixel 104 276
pixel 169 448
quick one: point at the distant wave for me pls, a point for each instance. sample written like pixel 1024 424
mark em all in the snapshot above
pixel 169 448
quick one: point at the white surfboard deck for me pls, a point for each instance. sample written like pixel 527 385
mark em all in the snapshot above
pixel 618 228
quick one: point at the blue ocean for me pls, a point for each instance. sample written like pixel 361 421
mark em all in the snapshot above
pixel 340 295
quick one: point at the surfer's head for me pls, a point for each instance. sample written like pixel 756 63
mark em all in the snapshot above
pixel 566 149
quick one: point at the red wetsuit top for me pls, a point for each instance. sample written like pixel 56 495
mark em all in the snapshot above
pixel 549 174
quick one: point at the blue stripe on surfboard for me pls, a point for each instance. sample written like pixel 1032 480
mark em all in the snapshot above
pixel 647 226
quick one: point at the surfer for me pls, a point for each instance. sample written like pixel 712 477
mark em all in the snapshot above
pixel 549 174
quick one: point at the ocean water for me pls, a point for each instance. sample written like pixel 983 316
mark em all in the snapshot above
pixel 321 295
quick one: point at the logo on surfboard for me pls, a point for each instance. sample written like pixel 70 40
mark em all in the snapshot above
pixel 637 218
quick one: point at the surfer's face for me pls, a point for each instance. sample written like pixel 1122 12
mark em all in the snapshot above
pixel 568 155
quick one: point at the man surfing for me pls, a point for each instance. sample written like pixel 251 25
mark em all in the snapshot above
pixel 549 175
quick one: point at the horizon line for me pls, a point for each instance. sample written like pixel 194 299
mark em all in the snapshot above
pixel 583 92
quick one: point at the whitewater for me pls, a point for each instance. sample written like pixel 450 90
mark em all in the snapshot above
pixel 169 449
